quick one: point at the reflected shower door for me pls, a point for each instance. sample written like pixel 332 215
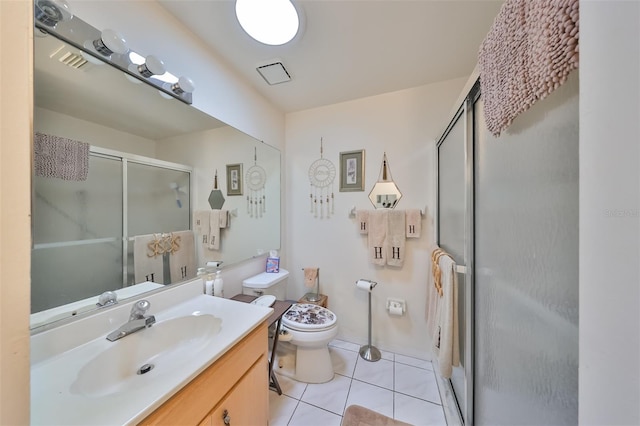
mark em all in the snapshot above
pixel 77 239
pixel 158 201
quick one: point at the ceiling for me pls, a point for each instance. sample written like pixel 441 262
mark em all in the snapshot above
pixel 349 49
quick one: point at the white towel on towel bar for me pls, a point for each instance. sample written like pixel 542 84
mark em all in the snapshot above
pixel 378 223
pixel 445 343
pixel 182 261
pixel 146 265
pixel 396 238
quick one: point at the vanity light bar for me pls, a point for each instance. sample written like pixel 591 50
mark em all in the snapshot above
pixel 106 46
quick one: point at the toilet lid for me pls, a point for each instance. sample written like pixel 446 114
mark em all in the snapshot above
pixel 308 317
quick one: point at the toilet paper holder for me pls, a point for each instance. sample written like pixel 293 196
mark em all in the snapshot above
pixel 368 352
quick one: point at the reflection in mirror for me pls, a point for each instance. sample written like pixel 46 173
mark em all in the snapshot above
pixel 151 164
pixel 385 193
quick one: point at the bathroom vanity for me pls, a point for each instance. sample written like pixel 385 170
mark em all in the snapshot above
pixel 202 362
pixel 221 394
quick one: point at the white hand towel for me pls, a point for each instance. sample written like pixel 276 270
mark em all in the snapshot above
pixel 362 217
pixel 396 238
pixel 214 230
pixel 201 228
pixel 446 342
pixel 182 261
pixel 378 222
pixel 224 218
pixel 147 258
pixel 414 223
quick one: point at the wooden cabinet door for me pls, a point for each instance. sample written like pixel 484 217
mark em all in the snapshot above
pixel 248 403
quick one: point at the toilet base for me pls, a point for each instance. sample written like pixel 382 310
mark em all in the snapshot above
pixel 306 365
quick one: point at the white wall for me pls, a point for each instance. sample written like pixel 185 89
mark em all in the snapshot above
pixel 65 126
pixel 609 388
pixel 403 124
pixel 212 150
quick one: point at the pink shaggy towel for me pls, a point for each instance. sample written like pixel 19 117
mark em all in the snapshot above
pixel 529 52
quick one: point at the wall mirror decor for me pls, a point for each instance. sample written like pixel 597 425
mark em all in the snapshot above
pixel 385 193
pixel 152 161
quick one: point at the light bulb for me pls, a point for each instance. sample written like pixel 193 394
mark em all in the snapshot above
pixel 110 42
pixel 152 66
pixel 50 12
pixel 272 22
pixel 184 85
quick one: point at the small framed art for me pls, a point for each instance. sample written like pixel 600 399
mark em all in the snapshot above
pixel 234 179
pixel 352 171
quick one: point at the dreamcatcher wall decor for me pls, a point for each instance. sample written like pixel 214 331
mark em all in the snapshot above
pixel 256 178
pixel 321 175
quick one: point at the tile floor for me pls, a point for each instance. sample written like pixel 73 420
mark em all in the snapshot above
pixel 397 386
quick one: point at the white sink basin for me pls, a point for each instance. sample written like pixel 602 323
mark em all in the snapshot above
pixel 78 377
pixel 157 349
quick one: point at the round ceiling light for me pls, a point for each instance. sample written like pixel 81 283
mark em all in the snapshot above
pixel 272 22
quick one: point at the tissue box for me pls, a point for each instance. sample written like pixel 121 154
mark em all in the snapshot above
pixel 273 264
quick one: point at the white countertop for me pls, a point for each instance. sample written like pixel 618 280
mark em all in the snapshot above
pixel 59 354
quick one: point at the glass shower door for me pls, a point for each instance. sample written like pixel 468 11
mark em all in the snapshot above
pixel 526 258
pixel 453 227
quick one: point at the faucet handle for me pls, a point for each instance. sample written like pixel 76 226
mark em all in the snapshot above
pixel 139 309
pixel 107 298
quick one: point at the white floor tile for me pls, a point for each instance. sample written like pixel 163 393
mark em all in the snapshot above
pixel 344 345
pixel 379 373
pixel 416 382
pixel 415 362
pixel 343 360
pixel 281 408
pixel 417 412
pixel 387 355
pixel 308 415
pixel 291 387
pixel 330 396
pixel 372 397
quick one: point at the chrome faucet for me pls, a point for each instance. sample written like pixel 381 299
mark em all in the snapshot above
pixel 137 321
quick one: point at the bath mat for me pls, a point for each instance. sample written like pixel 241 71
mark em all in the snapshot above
pixel 356 415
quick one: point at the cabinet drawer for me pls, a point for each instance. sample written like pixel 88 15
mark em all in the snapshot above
pixel 191 404
pixel 245 405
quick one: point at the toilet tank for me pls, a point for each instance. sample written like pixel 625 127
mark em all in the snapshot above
pixel 267 283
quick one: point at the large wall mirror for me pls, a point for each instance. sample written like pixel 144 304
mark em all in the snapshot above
pixel 152 163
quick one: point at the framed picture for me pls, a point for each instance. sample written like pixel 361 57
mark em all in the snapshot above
pixel 234 179
pixel 352 171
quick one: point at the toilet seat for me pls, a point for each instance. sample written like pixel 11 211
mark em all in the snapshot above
pixel 308 317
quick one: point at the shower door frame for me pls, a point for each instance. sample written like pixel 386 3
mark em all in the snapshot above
pixel 466 113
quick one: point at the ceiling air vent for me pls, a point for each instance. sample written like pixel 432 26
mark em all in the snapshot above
pixel 274 73
pixel 70 59
pixel 73 60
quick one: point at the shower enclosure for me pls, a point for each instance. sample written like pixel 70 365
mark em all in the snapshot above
pixel 83 231
pixel 508 213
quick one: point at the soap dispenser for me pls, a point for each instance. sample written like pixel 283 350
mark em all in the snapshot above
pixel 218 284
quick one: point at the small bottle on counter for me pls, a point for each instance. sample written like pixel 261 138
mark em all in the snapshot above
pixel 218 285
pixel 207 280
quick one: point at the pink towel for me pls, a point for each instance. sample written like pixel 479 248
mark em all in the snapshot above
pixel 310 277
pixel 529 52
pixel 56 157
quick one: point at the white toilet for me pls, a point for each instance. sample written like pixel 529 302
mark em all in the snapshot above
pixel 309 329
